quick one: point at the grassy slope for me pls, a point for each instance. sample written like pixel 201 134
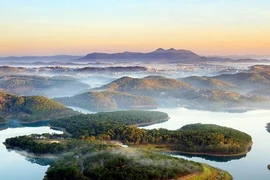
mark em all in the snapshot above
pixel 209 173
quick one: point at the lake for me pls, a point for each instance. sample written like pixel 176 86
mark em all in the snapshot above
pixel 14 166
pixel 252 166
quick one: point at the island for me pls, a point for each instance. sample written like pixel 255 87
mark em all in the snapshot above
pixel 92 147
pixel 120 126
pixel 93 159
pixel 195 139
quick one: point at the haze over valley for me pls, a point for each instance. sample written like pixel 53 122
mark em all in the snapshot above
pixel 143 90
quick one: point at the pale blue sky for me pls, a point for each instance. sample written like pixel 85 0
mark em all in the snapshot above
pixel 205 26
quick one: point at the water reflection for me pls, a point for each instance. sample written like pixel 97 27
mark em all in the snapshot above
pixel 250 166
pixel 40 161
pixel 207 157
pixel 13 123
pixel 25 167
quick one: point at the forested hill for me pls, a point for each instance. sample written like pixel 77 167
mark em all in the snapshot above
pixel 108 100
pixel 150 85
pixel 31 108
pixel 92 159
pixel 208 83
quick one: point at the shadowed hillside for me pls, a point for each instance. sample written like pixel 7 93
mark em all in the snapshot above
pixel 108 100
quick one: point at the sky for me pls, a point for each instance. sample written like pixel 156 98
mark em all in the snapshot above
pixel 206 27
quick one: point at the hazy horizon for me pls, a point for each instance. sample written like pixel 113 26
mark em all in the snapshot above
pixel 233 56
pixel 68 27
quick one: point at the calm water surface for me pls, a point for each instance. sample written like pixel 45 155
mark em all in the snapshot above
pixel 253 166
pixel 14 166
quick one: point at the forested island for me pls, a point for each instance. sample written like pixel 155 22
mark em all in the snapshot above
pixel 196 138
pixel 93 159
pixel 121 126
pixel 31 108
pixel 88 149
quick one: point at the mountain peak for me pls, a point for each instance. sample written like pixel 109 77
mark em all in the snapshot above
pixel 160 50
pixel 171 49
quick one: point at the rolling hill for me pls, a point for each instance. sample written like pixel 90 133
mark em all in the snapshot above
pixel 38 85
pixel 148 86
pixel 108 100
pixel 247 81
pixel 31 108
pixel 208 83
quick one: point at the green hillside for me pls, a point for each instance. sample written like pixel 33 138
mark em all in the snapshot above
pixel 108 100
pixel 208 83
pixel 31 108
pixel 219 100
pixel 246 80
pixel 150 86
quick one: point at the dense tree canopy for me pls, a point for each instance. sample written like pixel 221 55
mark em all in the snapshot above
pixel 197 138
pixel 31 108
pixel 121 164
pixel 108 100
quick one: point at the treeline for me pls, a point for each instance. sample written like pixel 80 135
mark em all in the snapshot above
pixel 96 124
pixel 121 164
pixel 53 144
pixel 197 138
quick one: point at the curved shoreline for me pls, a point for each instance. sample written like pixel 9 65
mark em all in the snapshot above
pixel 137 125
pixel 151 123
pixel 168 151
pixel 28 154
pixel 214 155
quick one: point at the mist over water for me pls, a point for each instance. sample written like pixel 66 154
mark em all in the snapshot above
pixel 254 164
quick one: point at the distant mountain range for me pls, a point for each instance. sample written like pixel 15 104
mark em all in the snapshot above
pixel 40 58
pixel 159 55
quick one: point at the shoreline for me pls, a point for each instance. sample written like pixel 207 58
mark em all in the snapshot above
pixel 60 129
pixel 166 150
pixel 151 123
pixel 31 155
